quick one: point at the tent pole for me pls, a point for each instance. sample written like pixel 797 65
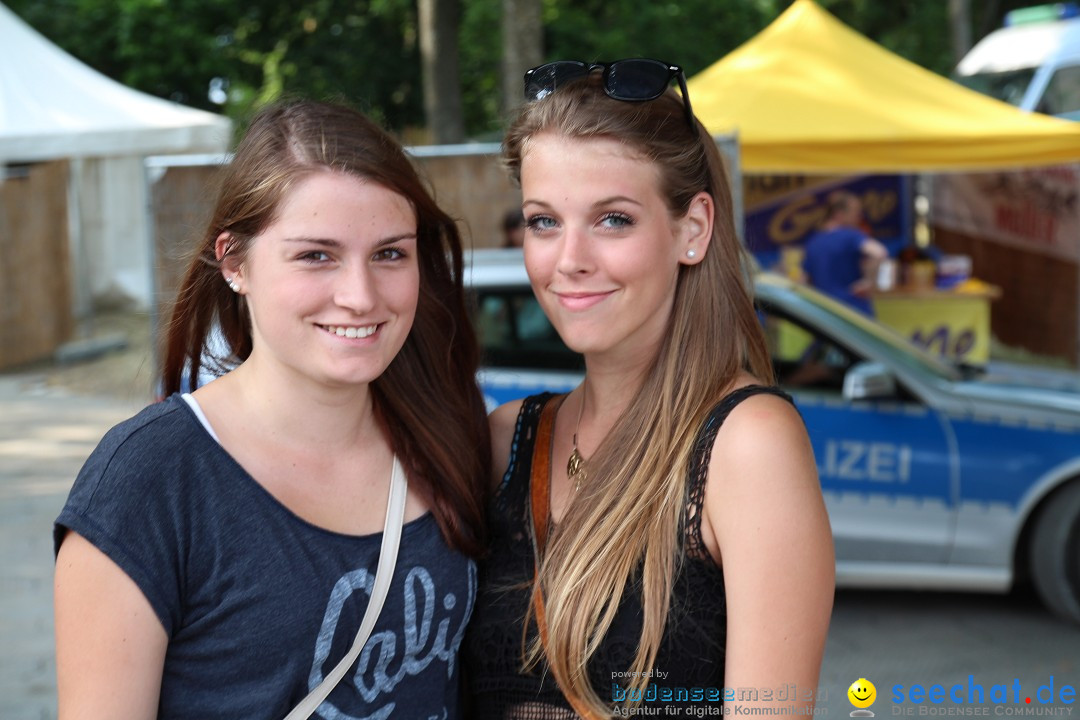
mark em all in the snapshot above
pixel 151 173
pixel 729 148
pixel 81 305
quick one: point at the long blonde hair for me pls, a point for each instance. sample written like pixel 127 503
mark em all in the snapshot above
pixel 631 513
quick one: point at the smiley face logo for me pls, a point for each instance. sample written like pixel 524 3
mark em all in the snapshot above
pixel 862 694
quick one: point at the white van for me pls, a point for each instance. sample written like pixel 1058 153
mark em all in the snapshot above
pixel 1033 62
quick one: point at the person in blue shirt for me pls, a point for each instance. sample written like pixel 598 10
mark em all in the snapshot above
pixel 841 260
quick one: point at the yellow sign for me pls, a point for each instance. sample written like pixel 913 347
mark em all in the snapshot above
pixel 953 325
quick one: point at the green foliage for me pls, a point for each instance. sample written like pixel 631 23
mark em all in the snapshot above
pixel 480 51
pixel 917 30
pixel 366 52
pixel 360 51
pixel 690 33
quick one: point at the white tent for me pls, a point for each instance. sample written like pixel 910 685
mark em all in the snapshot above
pixel 54 107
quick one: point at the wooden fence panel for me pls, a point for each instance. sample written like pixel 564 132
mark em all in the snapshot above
pixel 1039 309
pixel 474 190
pixel 35 267
pixel 181 200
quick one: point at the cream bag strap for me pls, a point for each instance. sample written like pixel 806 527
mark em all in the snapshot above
pixel 395 516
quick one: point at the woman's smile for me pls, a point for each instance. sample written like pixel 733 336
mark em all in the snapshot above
pixel 578 301
pixel 351 331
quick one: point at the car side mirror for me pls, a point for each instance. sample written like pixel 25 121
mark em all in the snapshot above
pixel 869 380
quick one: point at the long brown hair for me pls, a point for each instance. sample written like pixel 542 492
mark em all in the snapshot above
pixel 629 517
pixel 427 399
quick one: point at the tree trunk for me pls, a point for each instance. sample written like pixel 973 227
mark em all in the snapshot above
pixel 988 12
pixel 522 38
pixel 439 57
pixel 960 28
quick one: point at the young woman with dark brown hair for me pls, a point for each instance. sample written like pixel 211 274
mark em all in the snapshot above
pixel 658 534
pixel 217 552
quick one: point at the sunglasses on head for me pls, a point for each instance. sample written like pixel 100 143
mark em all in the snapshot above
pixel 630 80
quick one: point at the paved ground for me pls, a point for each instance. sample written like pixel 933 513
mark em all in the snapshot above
pixel 52 417
pixel 46 432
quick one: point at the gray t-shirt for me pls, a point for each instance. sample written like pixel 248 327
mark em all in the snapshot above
pixel 258 604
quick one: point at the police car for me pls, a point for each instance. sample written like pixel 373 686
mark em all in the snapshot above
pixel 935 476
pixel 1032 62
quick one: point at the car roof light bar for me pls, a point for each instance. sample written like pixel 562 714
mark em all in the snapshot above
pixel 1042 13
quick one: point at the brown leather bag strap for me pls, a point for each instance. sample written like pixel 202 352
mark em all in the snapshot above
pixel 540 510
pixel 540 479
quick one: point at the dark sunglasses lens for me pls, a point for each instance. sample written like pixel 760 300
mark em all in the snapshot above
pixel 546 79
pixel 637 79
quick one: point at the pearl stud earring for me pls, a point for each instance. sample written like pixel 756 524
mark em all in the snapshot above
pixel 233 286
pixel 691 253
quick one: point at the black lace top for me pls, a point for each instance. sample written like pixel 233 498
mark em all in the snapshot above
pixel 690 663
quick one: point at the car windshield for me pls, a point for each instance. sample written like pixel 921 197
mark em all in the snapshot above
pixel 1009 86
pixel 1062 94
pixel 900 350
pixel 515 333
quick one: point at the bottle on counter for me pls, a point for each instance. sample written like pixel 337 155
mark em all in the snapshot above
pixel 918 271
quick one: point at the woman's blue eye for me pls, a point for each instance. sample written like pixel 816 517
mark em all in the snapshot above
pixel 537 223
pixel 617 220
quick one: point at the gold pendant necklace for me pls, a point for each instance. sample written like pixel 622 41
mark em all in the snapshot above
pixel 575 464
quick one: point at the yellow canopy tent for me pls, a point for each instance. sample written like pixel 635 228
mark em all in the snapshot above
pixel 808 94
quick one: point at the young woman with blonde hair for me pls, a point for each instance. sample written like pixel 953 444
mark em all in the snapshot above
pixel 658 534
